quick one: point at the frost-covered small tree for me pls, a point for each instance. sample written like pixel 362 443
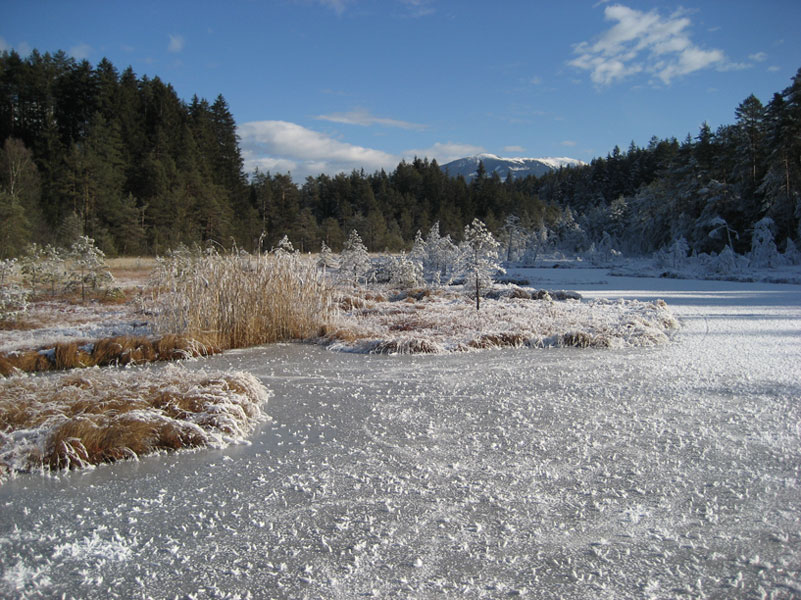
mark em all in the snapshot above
pixel 675 255
pixel 8 268
pixel 728 262
pixel 419 251
pixel 718 227
pixel 284 247
pixel 537 241
pixel 603 253
pixel 572 237
pixel 354 261
pixel 88 267
pixel 326 260
pixel 435 253
pixel 13 301
pixel 405 272
pixel 791 254
pixel 514 235
pixel 479 259
pixel 42 265
pixel 13 298
pixel 763 248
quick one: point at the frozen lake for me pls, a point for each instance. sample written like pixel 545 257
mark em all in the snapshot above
pixel 665 472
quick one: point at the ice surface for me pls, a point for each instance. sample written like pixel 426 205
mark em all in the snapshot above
pixel 665 472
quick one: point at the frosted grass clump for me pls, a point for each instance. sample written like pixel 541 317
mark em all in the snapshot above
pixel 441 323
pixel 238 300
pixel 95 416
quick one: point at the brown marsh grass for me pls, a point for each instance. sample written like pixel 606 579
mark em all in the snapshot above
pixel 117 351
pixel 238 300
pixel 90 417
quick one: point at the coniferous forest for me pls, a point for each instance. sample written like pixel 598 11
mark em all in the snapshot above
pixel 89 150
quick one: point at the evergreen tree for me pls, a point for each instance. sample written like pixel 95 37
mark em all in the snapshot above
pixel 479 259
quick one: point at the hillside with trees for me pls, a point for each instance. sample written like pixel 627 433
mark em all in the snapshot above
pixel 89 150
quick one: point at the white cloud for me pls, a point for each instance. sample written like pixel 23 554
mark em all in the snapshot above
pixel 338 6
pixel 177 43
pixel 80 51
pixel 774 69
pixel 514 149
pixel 418 8
pixel 641 42
pixel 759 57
pixel 361 116
pixel 445 152
pixel 280 145
pixel 568 143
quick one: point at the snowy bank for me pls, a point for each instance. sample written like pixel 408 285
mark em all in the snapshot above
pixel 95 416
pixel 444 322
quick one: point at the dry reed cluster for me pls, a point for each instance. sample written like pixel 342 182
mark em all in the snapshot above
pixel 237 300
pixel 94 416
pixel 121 350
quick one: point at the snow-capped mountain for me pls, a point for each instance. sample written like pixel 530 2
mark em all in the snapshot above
pixel 518 167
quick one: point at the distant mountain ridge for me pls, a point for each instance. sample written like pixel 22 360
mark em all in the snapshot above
pixel 518 167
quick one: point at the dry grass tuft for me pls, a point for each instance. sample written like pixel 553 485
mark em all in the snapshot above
pixel 406 346
pixel 581 339
pixel 69 356
pixel 91 417
pixel 348 303
pixel 118 351
pixel 498 340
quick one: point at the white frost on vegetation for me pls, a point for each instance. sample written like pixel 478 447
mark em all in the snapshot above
pixel 442 322
pixel 122 414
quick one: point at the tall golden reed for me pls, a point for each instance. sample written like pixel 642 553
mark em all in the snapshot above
pixel 237 300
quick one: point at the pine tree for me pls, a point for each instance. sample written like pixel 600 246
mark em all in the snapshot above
pixel 478 259
pixel 354 261
pixel 88 269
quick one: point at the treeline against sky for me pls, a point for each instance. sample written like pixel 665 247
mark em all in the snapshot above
pixel 88 150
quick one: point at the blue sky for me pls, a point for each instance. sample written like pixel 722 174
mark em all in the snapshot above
pixel 330 85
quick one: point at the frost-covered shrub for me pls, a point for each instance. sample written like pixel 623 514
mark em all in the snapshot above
pixel 536 243
pixel 791 254
pixel 88 269
pixel 675 255
pixel 436 254
pixel 13 301
pixel 235 300
pixel 13 298
pixel 8 268
pixel 43 266
pixel 603 254
pixel 326 260
pixel 354 261
pixel 728 262
pixel 479 259
pixel 763 248
pixel 405 272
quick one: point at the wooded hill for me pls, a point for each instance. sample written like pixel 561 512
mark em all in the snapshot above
pixel 122 159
